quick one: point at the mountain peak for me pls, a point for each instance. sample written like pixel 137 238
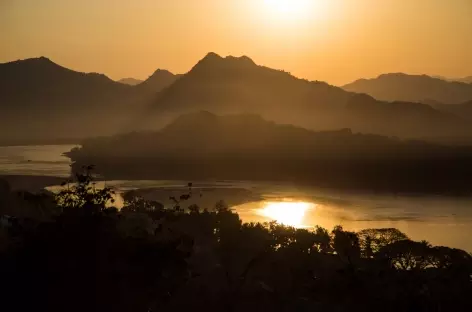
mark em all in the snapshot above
pixel 214 62
pixel 160 75
pixel 35 60
pixel 405 76
pixel 44 59
pixel 243 60
pixel 212 56
pixel 41 61
pixel 161 72
pixel 392 75
pixel 159 80
pixel 395 75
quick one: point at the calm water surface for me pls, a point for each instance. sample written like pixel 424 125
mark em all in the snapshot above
pixel 440 220
pixel 45 160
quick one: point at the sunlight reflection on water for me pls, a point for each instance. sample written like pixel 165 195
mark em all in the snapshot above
pixel 286 212
pixel 41 160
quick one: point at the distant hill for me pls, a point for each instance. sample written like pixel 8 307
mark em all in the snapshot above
pixel 130 81
pixel 235 135
pixel 465 79
pixel 238 85
pixel 463 110
pixel 43 100
pixel 247 147
pixel 412 88
pixel 403 119
pixel 158 81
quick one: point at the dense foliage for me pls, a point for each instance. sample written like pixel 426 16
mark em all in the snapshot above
pixel 74 252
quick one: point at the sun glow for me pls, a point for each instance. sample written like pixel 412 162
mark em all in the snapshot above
pixel 293 11
pixel 287 213
pixel 288 7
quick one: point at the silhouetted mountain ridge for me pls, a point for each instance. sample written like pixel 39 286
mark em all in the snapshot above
pixel 232 85
pixel 41 99
pixel 237 85
pixel 45 100
pixel 42 71
pixel 412 88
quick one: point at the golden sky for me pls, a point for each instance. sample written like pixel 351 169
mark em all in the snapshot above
pixel 331 40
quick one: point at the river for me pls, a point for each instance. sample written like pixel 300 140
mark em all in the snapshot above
pixel 440 220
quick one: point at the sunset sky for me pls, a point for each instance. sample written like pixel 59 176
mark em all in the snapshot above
pixel 331 40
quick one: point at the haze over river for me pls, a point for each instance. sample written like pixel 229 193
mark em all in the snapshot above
pixel 437 219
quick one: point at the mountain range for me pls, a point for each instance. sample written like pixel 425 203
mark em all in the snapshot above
pixel 41 99
pixel 44 102
pixel 238 85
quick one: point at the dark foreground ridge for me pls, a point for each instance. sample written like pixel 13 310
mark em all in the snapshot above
pixel 247 147
pixel 70 252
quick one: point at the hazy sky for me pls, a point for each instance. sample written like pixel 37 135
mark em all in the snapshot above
pixel 331 40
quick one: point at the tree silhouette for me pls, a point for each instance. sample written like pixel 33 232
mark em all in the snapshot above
pixel 146 257
pixel 346 245
pixel 83 192
pixel 375 239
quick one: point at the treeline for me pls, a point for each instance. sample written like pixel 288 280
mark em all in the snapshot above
pixel 74 252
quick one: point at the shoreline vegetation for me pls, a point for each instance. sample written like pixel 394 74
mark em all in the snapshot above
pixel 247 147
pixel 59 250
